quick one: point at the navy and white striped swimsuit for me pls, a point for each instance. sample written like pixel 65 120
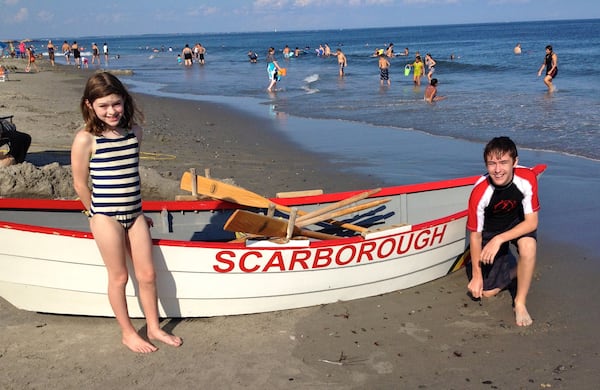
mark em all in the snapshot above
pixel 114 169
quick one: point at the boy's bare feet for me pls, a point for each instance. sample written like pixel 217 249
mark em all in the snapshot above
pixel 166 338
pixel 490 293
pixel 522 316
pixel 134 342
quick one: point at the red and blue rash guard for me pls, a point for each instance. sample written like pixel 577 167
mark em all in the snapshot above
pixel 498 209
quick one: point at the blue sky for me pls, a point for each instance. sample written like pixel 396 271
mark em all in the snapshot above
pixel 72 18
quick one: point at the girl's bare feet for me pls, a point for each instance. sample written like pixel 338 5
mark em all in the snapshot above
pixel 522 316
pixel 134 342
pixel 164 337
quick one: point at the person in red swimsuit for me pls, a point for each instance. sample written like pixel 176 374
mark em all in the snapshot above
pixel 503 209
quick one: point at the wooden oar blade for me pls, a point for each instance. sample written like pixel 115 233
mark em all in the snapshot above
pixel 223 191
pixel 248 222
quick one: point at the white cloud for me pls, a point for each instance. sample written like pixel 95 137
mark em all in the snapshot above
pixel 21 15
pixel 203 11
pixel 11 2
pixel 270 3
pixel 318 3
pixel 45 16
pixel 431 1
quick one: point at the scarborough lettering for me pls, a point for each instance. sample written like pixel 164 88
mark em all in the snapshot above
pixel 249 261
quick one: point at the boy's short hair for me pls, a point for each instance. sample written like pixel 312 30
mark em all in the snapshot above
pixel 499 146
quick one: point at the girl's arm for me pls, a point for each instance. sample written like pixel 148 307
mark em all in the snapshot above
pixel 81 152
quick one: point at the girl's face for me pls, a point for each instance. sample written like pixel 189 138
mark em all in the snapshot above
pixel 109 109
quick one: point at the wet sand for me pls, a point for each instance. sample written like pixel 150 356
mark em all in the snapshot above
pixel 430 336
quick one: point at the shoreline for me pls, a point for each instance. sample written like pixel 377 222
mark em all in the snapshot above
pixel 429 336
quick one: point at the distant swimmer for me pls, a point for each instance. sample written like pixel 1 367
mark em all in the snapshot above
pixel 517 49
pixel 252 56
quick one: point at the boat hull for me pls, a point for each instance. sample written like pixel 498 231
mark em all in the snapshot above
pixel 49 261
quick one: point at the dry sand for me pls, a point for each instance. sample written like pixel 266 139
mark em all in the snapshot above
pixel 431 336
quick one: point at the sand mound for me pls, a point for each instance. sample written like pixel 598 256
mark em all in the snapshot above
pixel 55 181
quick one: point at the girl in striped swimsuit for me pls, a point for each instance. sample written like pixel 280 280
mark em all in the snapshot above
pixel 107 150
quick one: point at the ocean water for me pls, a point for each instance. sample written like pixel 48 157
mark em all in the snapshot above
pixel 490 91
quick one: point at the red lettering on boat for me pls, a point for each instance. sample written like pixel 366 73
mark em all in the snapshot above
pixel 366 250
pixel 299 257
pixel 392 246
pixel 350 256
pixel 243 261
pixel 222 258
pixel 323 257
pixel 402 250
pixel 439 233
pixel 322 254
pixel 275 261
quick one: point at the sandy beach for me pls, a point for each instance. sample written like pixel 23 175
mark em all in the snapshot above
pixel 431 336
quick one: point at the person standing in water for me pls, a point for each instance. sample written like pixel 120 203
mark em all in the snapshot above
pixel 551 65
pixel 272 69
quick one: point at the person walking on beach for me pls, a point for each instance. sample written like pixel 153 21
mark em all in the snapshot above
pixel 51 50
pixel 503 209
pixel 31 60
pixel 95 53
pixel 384 69
pixel 272 69
pixel 76 54
pixel 107 150
pixel 551 65
pixel 66 49
pixel 342 61
pixel 431 92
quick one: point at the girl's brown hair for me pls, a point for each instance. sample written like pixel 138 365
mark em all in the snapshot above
pixel 101 85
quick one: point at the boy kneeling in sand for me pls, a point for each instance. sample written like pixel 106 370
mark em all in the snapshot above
pixel 503 209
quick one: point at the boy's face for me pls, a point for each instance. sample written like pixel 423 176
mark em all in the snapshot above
pixel 501 168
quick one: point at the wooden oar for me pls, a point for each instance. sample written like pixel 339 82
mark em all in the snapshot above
pixel 234 194
pixel 338 205
pixel 339 213
pixel 249 222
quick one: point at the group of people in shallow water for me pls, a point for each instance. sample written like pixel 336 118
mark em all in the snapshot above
pixel 191 55
pixel 75 50
pixel 274 69
pixel 419 67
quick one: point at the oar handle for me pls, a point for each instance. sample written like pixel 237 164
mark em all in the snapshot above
pixel 338 213
pixel 337 205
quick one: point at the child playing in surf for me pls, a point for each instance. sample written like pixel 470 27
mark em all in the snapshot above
pixel 107 150
pixel 431 92
pixel 272 69
pixel 384 69
pixel 342 61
